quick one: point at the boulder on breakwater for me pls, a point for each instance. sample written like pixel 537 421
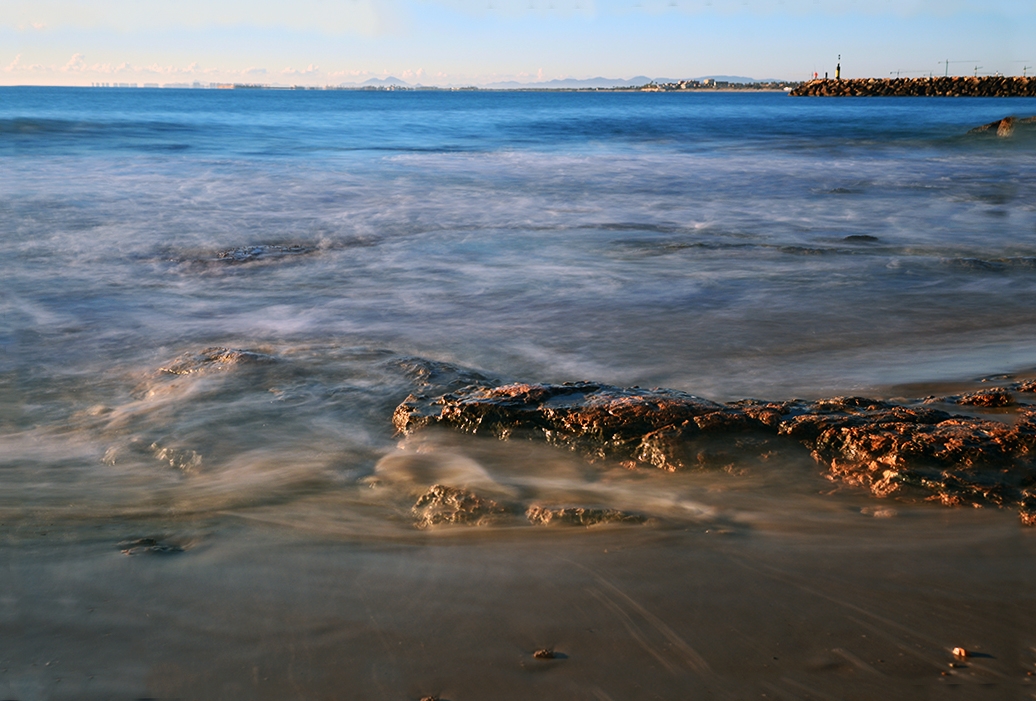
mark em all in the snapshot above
pixel 955 86
pixel 906 450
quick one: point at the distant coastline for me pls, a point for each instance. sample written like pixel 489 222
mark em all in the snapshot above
pixel 695 85
pixel 947 86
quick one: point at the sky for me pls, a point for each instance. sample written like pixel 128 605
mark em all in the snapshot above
pixel 479 42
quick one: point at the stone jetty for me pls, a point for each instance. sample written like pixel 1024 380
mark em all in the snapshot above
pixel 985 86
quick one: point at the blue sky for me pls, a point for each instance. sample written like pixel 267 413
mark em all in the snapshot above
pixel 459 42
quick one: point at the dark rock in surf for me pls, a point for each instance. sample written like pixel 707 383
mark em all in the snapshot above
pixel 251 254
pixel 449 505
pixel 1003 127
pixel 149 546
pixel 433 374
pixel 239 257
pixel 906 450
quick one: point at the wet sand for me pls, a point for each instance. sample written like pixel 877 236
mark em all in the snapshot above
pixel 828 596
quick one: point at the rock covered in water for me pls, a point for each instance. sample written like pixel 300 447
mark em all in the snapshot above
pixel 249 254
pixel 449 505
pixel 906 450
pixel 579 516
pixel 150 546
pixel 1003 127
pixel 215 358
pixel 433 374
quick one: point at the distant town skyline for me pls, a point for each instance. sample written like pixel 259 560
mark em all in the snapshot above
pixel 480 42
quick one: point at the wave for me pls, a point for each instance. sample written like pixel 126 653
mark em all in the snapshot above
pixel 21 133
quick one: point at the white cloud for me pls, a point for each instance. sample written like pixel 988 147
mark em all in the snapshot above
pixel 348 16
pixel 310 70
pixel 16 66
pixel 75 64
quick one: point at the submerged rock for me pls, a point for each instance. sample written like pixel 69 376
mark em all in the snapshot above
pixel 249 254
pixel 449 505
pixel 214 359
pixel 905 450
pixel 579 516
pixel 149 546
pixel 432 375
pixel 1003 127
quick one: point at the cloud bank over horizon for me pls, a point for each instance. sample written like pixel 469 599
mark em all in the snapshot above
pixel 476 42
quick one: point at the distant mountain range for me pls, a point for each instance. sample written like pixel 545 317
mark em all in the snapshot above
pixel 563 83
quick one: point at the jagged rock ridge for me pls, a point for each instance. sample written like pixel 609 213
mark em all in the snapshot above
pixel 910 451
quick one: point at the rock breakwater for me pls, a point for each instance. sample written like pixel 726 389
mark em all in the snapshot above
pixel 985 86
pixel 908 450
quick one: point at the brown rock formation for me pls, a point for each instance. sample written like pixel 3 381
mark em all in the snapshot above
pixel 600 421
pixel 579 516
pixel 449 505
pixel 910 451
pixel 916 451
pixel 1003 127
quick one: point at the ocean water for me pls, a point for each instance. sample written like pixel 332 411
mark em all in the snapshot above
pixel 366 245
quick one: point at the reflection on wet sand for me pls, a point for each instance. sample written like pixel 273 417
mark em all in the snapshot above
pixel 806 610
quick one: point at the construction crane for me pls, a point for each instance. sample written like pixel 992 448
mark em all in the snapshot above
pixel 1024 67
pixel 948 62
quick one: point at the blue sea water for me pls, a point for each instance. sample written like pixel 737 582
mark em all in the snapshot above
pixel 690 240
pixel 726 244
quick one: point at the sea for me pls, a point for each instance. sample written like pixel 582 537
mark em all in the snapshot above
pixel 173 526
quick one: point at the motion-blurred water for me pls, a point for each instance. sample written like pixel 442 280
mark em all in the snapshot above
pixel 726 244
pixel 361 246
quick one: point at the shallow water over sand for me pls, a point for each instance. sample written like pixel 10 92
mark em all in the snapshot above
pixel 362 247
